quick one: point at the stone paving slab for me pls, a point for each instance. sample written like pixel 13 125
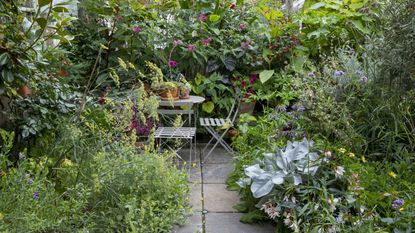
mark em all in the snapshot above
pixel 194 225
pixel 216 173
pixel 229 223
pixel 195 197
pixel 218 199
pixel 218 156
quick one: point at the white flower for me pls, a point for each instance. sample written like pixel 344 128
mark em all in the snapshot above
pixel 339 171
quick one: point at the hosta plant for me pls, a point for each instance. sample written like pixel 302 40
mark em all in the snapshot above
pixel 291 164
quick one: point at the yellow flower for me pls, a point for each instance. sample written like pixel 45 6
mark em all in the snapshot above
pixel 1 216
pixel 364 159
pixel 402 209
pixel 351 155
pixel 393 175
pixel 342 150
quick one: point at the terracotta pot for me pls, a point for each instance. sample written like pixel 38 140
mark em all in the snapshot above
pixel 184 94
pixel 247 107
pixel 169 94
pixel 24 91
pixel 232 132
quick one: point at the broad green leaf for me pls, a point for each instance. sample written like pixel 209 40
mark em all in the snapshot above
pixel 265 75
pixel 229 63
pixel 318 33
pixel 4 59
pixel 359 25
pixel 208 106
pixel 101 78
pixel 43 2
pixel 42 22
pixel 317 5
pixel 7 75
pixel 356 6
pixel 214 18
pixel 60 9
pixel 216 31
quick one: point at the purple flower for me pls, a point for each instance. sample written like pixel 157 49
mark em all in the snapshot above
pixel 206 41
pixel 301 109
pixel 202 18
pixel 233 5
pixel 253 78
pixel 137 29
pixel 108 88
pixel 285 133
pixel 398 203
pixel 339 73
pixel 293 134
pixel 177 43
pixel 172 64
pixel 245 44
pixel 36 195
pixel 363 79
pixel 191 48
pixel 243 84
pixel 251 91
pixel 311 74
pixel 294 107
pixel 242 26
pixel 282 108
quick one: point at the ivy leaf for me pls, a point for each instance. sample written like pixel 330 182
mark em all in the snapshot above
pixel 43 2
pixel 208 106
pixel 265 75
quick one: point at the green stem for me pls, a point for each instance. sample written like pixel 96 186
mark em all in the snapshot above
pixel 43 29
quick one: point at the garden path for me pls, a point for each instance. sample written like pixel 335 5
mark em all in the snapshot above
pixel 213 210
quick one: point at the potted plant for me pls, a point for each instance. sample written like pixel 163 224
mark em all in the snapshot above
pixel 185 88
pixel 166 90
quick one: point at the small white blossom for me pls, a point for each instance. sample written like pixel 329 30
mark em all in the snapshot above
pixel 339 171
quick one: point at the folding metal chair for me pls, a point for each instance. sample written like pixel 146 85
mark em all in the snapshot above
pixel 224 124
pixel 188 134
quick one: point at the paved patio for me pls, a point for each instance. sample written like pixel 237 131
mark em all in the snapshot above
pixel 213 210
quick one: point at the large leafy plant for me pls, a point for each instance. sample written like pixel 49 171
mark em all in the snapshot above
pixel 290 165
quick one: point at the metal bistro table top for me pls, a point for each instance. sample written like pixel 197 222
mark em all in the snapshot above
pixel 183 102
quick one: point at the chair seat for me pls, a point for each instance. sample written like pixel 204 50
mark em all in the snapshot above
pixel 175 132
pixel 218 122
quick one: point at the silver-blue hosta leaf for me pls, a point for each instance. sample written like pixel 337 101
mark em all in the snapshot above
pixel 296 179
pixel 260 188
pixel 278 178
pixel 270 161
pixel 253 171
pixel 244 182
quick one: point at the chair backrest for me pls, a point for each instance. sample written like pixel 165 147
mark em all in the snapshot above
pixel 233 114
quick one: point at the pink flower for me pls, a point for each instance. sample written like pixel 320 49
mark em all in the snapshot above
pixel 242 26
pixel 245 44
pixel 202 18
pixel 206 41
pixel 243 84
pixel 177 43
pixel 233 5
pixel 250 91
pixel 172 64
pixel 101 99
pixel 191 48
pixel 137 29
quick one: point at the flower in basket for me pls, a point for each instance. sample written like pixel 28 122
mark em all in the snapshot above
pixel 245 85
